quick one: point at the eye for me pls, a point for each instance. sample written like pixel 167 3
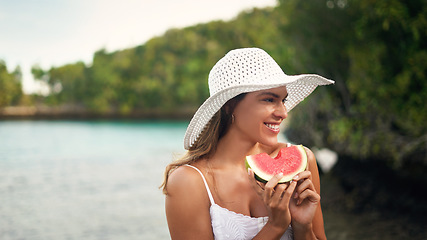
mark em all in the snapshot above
pixel 284 100
pixel 268 100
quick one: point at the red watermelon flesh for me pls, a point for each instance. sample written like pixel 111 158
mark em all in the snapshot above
pixel 290 161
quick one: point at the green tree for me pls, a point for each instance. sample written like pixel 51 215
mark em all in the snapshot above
pixel 68 83
pixel 10 86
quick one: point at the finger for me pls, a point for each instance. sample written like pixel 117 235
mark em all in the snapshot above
pixel 288 193
pixel 310 195
pixel 270 185
pixel 302 175
pixel 306 184
pixel 302 186
pixel 278 194
pixel 274 180
pixel 258 186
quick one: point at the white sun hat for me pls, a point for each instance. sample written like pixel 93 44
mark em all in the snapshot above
pixel 248 70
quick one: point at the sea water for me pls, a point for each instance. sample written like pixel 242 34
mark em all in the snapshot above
pixel 85 179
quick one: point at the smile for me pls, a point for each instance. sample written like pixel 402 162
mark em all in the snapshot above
pixel 274 127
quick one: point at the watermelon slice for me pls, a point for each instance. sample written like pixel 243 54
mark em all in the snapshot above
pixel 290 161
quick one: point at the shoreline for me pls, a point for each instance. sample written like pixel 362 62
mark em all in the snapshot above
pixel 75 113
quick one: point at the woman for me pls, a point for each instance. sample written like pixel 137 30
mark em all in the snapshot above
pixel 209 192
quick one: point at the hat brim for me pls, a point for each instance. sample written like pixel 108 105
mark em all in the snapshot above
pixel 298 88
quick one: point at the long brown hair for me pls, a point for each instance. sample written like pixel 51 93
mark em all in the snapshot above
pixel 207 142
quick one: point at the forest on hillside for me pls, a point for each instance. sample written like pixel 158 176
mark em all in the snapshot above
pixel 376 51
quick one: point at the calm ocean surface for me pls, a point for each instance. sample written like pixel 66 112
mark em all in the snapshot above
pixel 85 180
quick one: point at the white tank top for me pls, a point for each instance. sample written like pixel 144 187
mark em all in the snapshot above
pixel 227 224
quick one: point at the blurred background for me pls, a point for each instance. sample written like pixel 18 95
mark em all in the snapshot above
pixel 95 99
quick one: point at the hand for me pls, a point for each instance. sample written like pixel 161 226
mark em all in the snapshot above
pixel 304 201
pixel 276 197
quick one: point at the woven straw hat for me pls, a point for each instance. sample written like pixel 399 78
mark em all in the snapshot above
pixel 248 70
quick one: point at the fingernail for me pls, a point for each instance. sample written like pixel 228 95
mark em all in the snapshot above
pixel 296 195
pixel 296 177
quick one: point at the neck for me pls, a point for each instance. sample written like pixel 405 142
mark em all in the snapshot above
pixel 232 150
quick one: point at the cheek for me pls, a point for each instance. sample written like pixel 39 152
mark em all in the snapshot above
pixel 252 117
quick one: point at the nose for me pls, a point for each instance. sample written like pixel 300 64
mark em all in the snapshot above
pixel 281 111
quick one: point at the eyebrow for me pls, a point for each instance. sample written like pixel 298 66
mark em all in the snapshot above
pixel 272 94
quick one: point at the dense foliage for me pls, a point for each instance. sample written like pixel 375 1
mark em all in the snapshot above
pixel 374 50
pixel 10 86
pixel 377 53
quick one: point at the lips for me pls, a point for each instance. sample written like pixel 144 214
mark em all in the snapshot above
pixel 273 127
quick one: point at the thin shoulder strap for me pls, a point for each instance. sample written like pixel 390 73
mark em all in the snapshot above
pixel 206 184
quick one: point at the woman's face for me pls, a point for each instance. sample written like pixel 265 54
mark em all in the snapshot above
pixel 258 116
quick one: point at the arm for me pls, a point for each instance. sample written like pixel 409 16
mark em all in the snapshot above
pixel 307 218
pixel 187 206
pixel 318 225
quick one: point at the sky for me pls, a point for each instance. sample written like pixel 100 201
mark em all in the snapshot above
pixel 52 33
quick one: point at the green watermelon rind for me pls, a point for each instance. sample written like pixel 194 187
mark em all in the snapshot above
pixel 265 177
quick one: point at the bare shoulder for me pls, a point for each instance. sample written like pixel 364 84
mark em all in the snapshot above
pixel 187 205
pixel 184 180
pixel 310 155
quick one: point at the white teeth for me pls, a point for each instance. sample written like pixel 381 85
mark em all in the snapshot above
pixel 272 126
